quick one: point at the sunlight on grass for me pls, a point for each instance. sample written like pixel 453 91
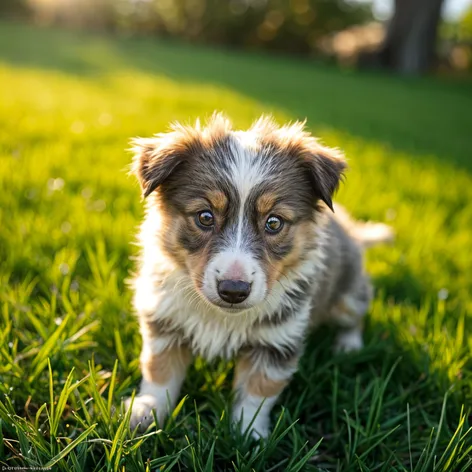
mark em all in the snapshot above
pixel 69 344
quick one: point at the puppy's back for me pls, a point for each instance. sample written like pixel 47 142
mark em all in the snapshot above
pixel 344 281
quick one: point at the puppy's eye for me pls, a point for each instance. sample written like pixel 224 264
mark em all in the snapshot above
pixel 274 224
pixel 205 219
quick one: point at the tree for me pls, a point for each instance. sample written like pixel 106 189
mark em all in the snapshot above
pixel 13 8
pixel 410 42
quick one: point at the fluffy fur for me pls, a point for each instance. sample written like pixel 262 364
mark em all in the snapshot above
pixel 307 272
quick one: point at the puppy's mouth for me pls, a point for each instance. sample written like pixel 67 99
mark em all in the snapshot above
pixel 229 308
pixel 225 307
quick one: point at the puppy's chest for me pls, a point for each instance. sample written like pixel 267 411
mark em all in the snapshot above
pixel 216 336
pixel 211 334
pixel 279 323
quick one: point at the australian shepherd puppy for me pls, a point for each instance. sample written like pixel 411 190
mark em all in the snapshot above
pixel 241 255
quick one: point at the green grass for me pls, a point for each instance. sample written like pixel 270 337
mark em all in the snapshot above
pixel 69 343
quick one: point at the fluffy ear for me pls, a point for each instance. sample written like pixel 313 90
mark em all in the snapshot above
pixel 154 160
pixel 325 167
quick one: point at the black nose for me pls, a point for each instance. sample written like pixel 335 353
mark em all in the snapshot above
pixel 233 291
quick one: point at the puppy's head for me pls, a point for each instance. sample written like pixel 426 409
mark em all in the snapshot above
pixel 238 208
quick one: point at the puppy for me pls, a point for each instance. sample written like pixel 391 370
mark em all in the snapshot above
pixel 240 256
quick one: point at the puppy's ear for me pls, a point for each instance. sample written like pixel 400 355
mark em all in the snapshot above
pixel 325 169
pixel 155 159
pixel 323 165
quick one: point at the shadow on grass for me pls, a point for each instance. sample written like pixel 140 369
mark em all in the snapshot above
pixel 412 115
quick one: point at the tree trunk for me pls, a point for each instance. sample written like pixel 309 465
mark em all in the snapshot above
pixel 410 43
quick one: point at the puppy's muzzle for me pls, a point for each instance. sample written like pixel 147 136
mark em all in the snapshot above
pixel 233 291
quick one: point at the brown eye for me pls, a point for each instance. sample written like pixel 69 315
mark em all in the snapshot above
pixel 205 219
pixel 274 224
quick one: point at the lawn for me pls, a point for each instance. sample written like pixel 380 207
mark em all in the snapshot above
pixel 69 343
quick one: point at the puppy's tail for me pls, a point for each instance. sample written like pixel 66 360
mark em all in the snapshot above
pixel 366 233
pixel 370 234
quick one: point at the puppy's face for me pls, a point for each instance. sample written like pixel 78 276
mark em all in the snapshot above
pixel 238 209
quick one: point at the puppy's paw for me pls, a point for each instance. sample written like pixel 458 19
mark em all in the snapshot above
pixel 259 429
pixel 349 341
pixel 142 411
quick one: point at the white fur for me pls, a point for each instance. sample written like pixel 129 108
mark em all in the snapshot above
pixel 294 328
pixel 153 397
pixel 158 397
pixel 349 340
pixel 155 346
pixel 245 410
pixel 367 233
pixel 371 234
pixel 245 173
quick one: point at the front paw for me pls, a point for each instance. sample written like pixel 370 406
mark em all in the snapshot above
pixel 349 341
pixel 144 409
pixel 259 428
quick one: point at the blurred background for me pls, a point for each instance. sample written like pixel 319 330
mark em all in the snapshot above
pixel 405 36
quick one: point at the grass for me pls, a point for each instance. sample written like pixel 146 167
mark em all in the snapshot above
pixel 69 343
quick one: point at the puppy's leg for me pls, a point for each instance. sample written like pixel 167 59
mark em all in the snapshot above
pixel 163 366
pixel 349 314
pixel 260 376
pixel 349 339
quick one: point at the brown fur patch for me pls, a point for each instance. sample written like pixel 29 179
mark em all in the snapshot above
pixel 241 371
pixel 196 205
pixel 218 200
pixel 171 226
pixel 284 211
pixel 160 367
pixel 266 202
pixel 196 264
pixel 260 385
pixel 256 383
pixel 302 236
